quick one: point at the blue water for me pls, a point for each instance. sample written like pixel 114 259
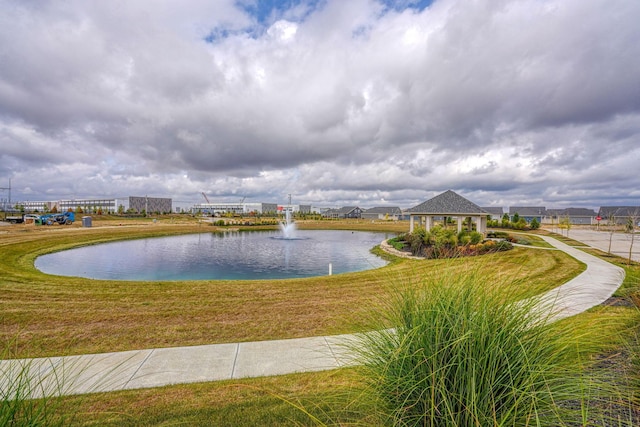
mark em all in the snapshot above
pixel 218 256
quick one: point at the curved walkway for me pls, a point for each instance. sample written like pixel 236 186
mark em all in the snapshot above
pixel 164 366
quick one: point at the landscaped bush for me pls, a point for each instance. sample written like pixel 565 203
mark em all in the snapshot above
pixel 446 243
pixel 453 351
pixel 498 234
pixel 398 243
pixel 476 237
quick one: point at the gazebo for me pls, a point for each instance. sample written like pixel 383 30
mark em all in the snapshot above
pixel 447 205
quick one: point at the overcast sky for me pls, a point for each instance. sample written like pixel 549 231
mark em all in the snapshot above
pixel 336 102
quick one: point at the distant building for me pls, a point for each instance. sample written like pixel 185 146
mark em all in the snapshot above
pixel 38 206
pixel 344 212
pixel 383 213
pixel 150 204
pixel 234 208
pixel 576 216
pixel 89 205
pixel 496 214
pixel 528 213
pixel 619 214
pixel 303 209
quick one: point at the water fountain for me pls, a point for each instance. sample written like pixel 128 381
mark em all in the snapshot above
pixel 288 227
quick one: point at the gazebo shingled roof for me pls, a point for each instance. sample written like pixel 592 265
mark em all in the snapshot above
pixel 448 202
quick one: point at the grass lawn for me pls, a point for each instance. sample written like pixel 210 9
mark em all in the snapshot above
pixel 42 315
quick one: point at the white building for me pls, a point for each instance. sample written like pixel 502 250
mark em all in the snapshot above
pixel 234 208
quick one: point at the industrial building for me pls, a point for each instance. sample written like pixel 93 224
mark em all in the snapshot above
pixel 234 208
pixel 134 204
pixel 146 204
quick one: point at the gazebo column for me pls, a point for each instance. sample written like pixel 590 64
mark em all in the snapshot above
pixel 482 225
pixel 428 222
pixel 411 217
pixel 460 220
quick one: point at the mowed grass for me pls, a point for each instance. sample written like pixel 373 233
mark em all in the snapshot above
pixel 287 400
pixel 42 315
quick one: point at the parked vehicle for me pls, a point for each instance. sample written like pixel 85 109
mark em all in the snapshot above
pixel 65 218
pixel 15 219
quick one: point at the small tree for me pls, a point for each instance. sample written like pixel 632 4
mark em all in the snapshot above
pixel 505 220
pixel 521 224
pixel 611 225
pixel 631 228
pixel 534 225
pixel 516 218
pixel 565 223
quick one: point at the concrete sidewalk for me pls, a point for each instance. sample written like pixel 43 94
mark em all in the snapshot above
pixel 591 287
pixel 164 366
pixel 125 370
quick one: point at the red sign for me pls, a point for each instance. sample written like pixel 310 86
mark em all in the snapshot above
pixel 598 218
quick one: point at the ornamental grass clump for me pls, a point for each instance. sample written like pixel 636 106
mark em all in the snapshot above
pixel 460 353
pixel 18 406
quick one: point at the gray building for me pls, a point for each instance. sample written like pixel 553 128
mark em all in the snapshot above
pixel 344 212
pixel 150 204
pixel 619 214
pixel 496 214
pixel 528 212
pixel 576 216
pixel 383 213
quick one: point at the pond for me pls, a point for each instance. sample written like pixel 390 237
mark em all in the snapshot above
pixel 220 256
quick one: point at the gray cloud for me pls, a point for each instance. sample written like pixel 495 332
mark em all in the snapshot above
pixel 348 102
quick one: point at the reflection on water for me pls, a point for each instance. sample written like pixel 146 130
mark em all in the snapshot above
pixel 228 255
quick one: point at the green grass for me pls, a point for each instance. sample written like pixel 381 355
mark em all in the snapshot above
pixel 43 315
pixel 288 400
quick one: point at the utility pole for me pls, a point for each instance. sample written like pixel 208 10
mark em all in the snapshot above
pixel 9 199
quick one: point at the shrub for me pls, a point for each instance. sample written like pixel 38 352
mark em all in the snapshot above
pixel 446 243
pixel 416 240
pixel 464 238
pixel 397 243
pixel 476 237
pixel 503 246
